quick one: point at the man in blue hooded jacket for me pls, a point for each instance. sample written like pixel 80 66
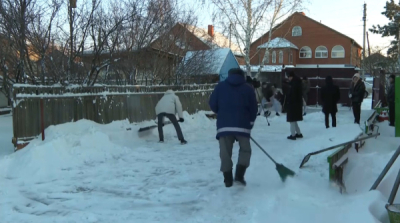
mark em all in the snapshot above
pixel 234 101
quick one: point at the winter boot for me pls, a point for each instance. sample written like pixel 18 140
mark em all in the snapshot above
pixel 228 178
pixel 239 175
pixel 291 137
pixel 183 142
pixel 299 135
pixel 277 114
pixel 161 141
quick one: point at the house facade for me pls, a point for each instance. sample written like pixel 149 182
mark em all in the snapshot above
pixel 300 40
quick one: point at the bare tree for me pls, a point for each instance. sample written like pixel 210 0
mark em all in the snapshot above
pixel 15 16
pixel 246 18
pixel 40 33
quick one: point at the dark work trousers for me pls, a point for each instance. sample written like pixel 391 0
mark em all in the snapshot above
pixel 357 113
pixel 391 113
pixel 333 115
pixel 225 151
pixel 173 120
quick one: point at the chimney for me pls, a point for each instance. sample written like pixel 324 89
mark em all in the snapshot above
pixel 211 30
pixel 303 13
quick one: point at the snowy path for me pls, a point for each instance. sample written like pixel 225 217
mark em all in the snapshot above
pixel 86 172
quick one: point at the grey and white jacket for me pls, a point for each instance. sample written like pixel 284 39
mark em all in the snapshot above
pixel 169 104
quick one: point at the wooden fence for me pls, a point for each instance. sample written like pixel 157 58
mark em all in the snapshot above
pixel 100 104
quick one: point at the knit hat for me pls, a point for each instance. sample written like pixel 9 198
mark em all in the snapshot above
pixel 356 75
pixel 291 74
pixel 392 76
pixel 236 71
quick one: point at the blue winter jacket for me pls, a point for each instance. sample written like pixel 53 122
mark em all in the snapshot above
pixel 234 101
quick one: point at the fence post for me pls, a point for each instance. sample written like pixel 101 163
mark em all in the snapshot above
pixel 397 106
pixel 42 118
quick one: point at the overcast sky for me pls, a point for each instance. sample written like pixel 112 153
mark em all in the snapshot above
pixel 344 16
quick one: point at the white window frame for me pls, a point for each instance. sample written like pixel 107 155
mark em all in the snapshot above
pixel 307 50
pixel 338 51
pixel 266 57
pixel 321 53
pixel 291 57
pixel 297 31
pixel 273 57
pixel 281 56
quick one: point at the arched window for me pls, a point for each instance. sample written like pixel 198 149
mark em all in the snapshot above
pixel 321 52
pixel 273 57
pixel 281 56
pixel 297 31
pixel 266 58
pixel 305 52
pixel 337 52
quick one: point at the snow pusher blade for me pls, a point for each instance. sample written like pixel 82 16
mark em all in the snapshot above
pixel 307 157
pixel 145 130
pixel 283 171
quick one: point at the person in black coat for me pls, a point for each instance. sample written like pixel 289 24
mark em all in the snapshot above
pixel 294 102
pixel 357 92
pixel 330 96
pixel 391 100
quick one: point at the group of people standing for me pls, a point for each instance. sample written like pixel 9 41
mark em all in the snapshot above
pixel 234 101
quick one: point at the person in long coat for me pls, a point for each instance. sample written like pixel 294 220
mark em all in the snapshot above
pixel 357 93
pixel 330 96
pixel 306 89
pixel 294 102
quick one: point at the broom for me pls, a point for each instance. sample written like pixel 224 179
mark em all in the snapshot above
pixel 283 171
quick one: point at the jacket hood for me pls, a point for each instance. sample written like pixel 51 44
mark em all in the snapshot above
pixel 169 92
pixel 328 80
pixel 236 79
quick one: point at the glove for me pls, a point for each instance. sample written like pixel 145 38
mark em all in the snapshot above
pixel 181 120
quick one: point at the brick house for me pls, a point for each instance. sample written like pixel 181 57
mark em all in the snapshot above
pixel 300 40
pixel 309 48
pixel 184 37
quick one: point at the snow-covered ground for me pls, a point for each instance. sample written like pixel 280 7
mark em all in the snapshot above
pixel 87 172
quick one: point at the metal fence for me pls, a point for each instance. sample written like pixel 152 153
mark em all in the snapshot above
pixel 100 104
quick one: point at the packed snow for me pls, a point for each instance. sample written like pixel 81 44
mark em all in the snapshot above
pixel 88 172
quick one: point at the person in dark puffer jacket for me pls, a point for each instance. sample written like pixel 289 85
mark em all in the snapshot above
pixel 234 101
pixel 391 100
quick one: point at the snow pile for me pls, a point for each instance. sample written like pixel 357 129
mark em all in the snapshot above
pixel 87 172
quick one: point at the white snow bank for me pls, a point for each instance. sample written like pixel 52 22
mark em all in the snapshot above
pixel 87 172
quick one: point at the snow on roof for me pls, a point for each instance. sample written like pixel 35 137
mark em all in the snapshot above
pixel 219 40
pixel 278 43
pixel 265 68
pixel 217 56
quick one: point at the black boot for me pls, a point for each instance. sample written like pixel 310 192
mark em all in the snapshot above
pixel 239 175
pixel 228 178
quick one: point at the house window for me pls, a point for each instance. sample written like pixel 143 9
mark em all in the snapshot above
pixel 266 58
pixel 296 31
pixel 337 52
pixel 321 52
pixel 274 57
pixel 290 58
pixel 281 56
pixel 305 52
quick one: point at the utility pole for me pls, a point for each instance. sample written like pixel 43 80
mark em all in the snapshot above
pixel 365 31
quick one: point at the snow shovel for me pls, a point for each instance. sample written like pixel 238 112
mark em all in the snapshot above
pixel 283 171
pixel 145 130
